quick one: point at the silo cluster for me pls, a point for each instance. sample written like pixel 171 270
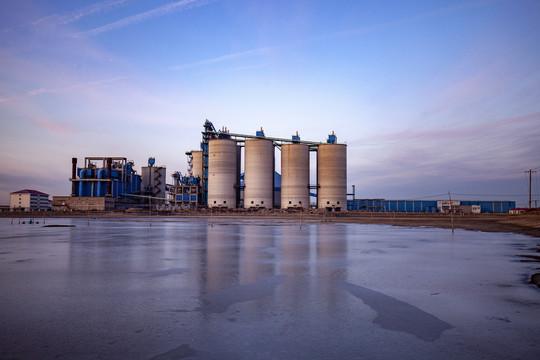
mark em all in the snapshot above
pixel 224 163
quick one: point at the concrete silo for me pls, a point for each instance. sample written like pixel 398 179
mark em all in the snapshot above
pixel 332 177
pixel 259 173
pixel 222 173
pixel 197 163
pixel 294 176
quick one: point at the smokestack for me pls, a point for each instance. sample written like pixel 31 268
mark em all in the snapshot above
pixel 73 175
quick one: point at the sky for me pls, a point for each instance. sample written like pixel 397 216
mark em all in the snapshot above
pixel 430 96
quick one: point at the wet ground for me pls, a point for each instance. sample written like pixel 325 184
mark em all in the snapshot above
pixel 254 289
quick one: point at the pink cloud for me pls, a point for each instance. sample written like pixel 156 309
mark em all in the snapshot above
pixel 415 134
pixel 51 126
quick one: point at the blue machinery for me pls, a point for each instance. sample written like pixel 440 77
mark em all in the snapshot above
pixel 104 176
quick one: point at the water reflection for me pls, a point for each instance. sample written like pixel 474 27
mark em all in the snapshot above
pixel 250 289
pixel 295 262
pixel 221 265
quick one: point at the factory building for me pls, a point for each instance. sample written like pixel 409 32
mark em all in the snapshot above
pixel 153 179
pixel 28 200
pixel 185 192
pixel 431 206
pixel 219 162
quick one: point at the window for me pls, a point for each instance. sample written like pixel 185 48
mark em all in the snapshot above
pixel 300 202
pixel 290 202
pixel 214 201
pixel 328 202
pixel 338 202
pixel 224 201
pixel 252 201
pixel 262 202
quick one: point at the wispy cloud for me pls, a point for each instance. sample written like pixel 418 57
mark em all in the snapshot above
pixel 351 32
pixel 81 13
pixel 66 89
pixel 91 84
pixel 224 58
pixel 36 92
pixel 147 15
pixel 409 20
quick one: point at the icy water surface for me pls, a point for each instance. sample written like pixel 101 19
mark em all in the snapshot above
pixel 122 289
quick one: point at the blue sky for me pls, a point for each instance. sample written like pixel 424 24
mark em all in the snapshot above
pixel 430 96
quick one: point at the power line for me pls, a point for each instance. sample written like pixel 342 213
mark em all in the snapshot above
pixel 425 197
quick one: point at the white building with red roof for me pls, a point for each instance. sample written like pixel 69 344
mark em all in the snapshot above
pixel 28 200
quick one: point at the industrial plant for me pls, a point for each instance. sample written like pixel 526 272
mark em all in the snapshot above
pixel 215 180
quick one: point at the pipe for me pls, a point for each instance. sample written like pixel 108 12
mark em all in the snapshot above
pixel 101 175
pixel 109 170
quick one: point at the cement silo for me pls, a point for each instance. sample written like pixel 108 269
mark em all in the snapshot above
pixel 294 176
pixel 259 173
pixel 197 163
pixel 222 173
pixel 332 177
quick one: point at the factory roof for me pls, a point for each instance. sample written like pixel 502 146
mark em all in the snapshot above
pixel 28 191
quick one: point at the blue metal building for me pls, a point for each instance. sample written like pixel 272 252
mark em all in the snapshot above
pixel 424 206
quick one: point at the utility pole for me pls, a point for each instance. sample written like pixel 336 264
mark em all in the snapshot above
pixel 451 212
pixel 530 171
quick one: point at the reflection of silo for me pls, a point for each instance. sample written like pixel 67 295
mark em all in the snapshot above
pixel 222 173
pixel 257 260
pixel 332 176
pixel 259 174
pixel 295 264
pixel 294 175
pixel 222 258
pixel 196 163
